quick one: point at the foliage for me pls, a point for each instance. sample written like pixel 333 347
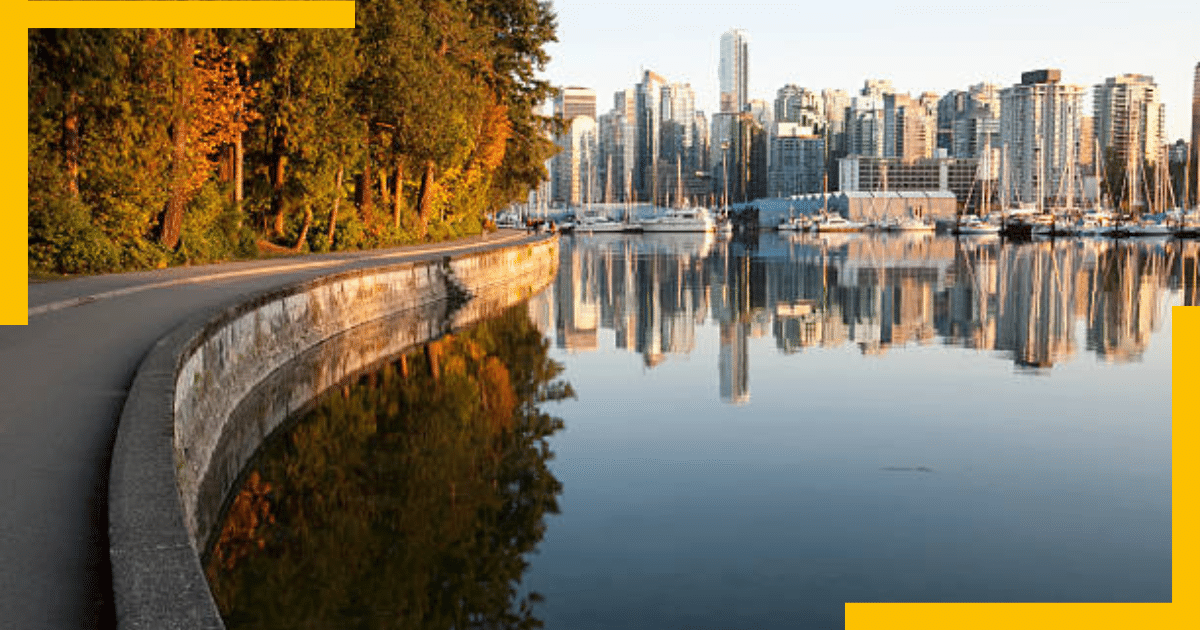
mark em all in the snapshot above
pixel 412 126
pixel 408 498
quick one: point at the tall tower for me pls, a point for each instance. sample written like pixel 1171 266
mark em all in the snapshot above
pixel 1195 175
pixel 1040 120
pixel 732 71
pixel 1130 122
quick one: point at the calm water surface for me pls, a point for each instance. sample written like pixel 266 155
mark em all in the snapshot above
pixel 758 433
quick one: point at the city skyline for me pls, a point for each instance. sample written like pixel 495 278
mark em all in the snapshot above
pixel 989 42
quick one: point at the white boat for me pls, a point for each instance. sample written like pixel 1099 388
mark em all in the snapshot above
pixel 910 224
pixel 837 223
pixel 596 223
pixel 691 219
pixel 509 220
pixel 795 224
pixel 976 225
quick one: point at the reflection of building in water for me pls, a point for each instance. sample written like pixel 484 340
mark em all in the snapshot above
pixel 875 291
pixel 1127 302
pixel 734 363
pixel 541 312
pixel 578 306
pixel 1036 315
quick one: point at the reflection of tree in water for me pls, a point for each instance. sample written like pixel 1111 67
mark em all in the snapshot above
pixel 406 499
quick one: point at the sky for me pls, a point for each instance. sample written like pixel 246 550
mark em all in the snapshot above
pixel 920 46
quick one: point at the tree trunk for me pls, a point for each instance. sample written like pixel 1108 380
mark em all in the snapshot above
pixel 239 158
pixel 364 190
pixel 173 219
pixel 383 187
pixel 337 198
pixel 397 194
pixel 426 199
pixel 308 217
pixel 71 143
pixel 278 171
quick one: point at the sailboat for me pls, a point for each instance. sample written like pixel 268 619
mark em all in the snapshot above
pixel 680 218
pixel 833 222
pixel 592 222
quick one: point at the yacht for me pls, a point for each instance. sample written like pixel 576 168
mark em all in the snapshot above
pixel 692 219
pixel 837 223
pixel 976 225
pixel 597 223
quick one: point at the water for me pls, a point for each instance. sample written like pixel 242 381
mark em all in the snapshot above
pixel 763 431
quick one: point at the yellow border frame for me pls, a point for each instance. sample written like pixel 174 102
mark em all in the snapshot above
pixel 14 308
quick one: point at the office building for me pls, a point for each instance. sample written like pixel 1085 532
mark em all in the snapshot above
pixel 570 102
pixel 797 161
pixel 733 71
pixel 649 121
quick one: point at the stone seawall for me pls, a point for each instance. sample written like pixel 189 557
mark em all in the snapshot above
pixel 207 394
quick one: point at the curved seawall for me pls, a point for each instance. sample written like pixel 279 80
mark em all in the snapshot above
pixel 208 393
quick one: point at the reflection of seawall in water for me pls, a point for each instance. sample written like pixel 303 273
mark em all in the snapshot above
pixel 415 488
pixel 877 292
pixel 292 386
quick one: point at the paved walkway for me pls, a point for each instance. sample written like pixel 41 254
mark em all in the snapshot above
pixel 63 380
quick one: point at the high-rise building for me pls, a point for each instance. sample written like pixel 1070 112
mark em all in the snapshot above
pixel 733 70
pixel 1130 126
pixel 797 160
pixel 570 102
pixel 575 177
pixel 909 128
pixel 836 102
pixel 1039 127
pixel 677 113
pixel 573 168
pixel 648 136
pixel 1195 171
pixel 877 87
pixel 969 121
pixel 794 104
pixel 865 126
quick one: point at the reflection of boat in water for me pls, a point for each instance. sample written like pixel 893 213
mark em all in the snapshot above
pixel 692 219
pixel 677 243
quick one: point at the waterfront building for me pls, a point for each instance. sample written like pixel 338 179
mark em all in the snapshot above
pixel 1040 120
pixel 797 160
pixel 1130 125
pixel 959 176
pixel 732 72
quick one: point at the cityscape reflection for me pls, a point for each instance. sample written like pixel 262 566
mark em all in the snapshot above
pixel 1027 301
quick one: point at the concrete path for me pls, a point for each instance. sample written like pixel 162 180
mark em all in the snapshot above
pixel 63 380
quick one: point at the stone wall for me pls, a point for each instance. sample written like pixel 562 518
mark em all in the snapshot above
pixel 206 396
